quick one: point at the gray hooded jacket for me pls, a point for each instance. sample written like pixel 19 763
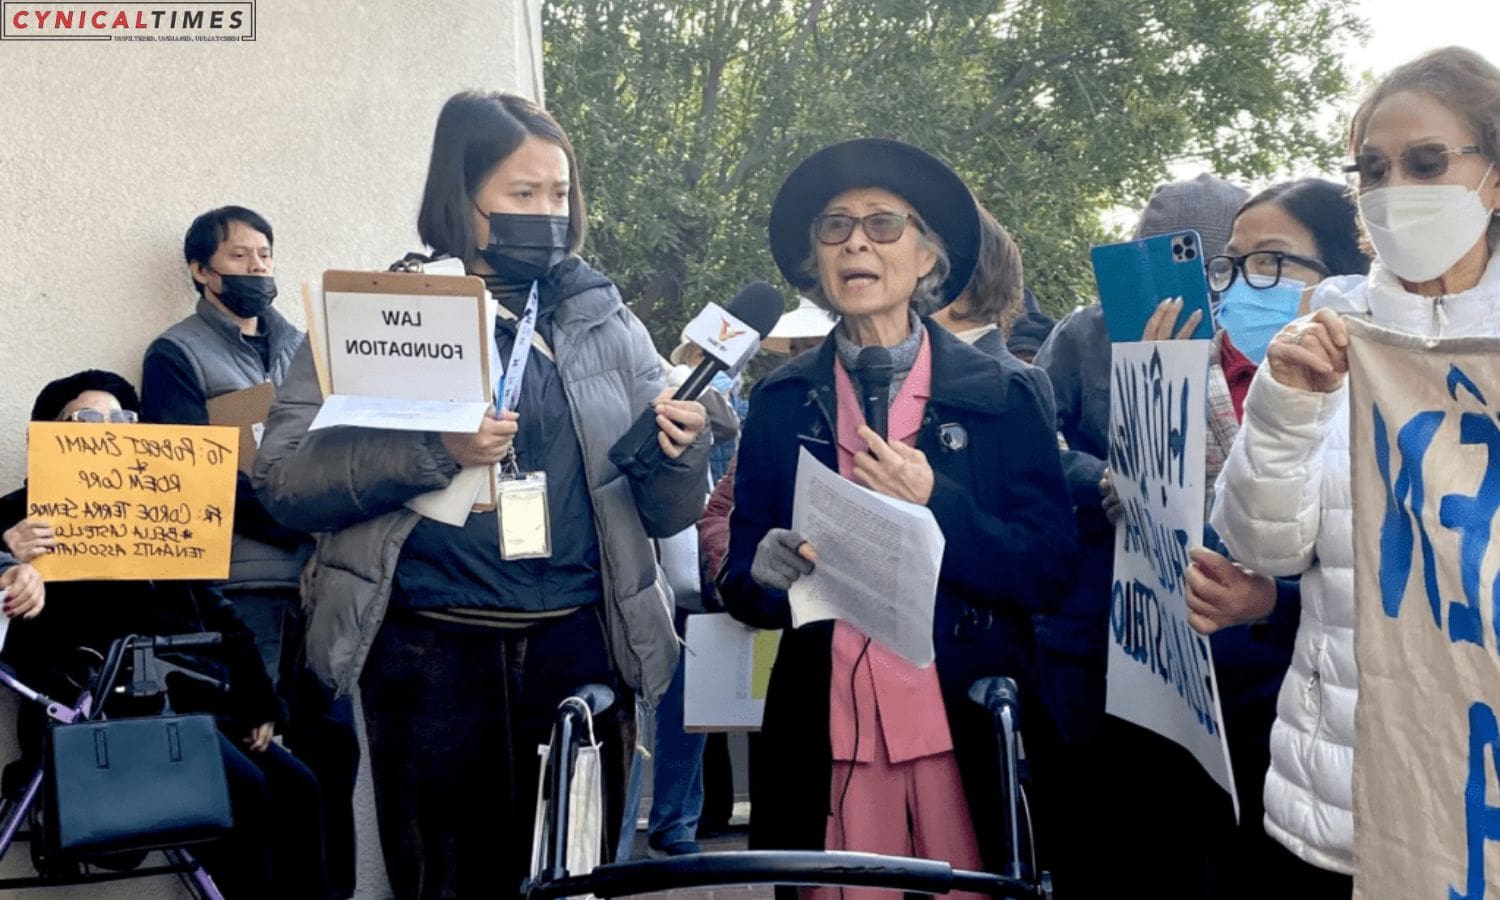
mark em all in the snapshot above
pixel 349 485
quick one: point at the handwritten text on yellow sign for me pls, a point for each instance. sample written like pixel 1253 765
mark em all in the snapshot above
pixel 133 501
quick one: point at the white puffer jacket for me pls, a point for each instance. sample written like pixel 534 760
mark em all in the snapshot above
pixel 1284 508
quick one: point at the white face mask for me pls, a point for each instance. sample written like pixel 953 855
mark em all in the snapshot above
pixel 1421 230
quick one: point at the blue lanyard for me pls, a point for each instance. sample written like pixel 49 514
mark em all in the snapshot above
pixel 508 382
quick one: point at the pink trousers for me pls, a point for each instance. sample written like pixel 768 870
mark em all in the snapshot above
pixel 914 808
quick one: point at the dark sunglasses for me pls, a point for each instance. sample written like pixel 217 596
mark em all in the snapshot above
pixel 881 227
pixel 116 416
pixel 1422 163
pixel 1262 269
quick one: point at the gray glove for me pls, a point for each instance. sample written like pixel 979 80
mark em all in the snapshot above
pixel 777 563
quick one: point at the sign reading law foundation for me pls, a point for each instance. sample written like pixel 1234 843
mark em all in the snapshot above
pixel 1161 671
pixel 406 350
pixel 133 501
pixel 1424 446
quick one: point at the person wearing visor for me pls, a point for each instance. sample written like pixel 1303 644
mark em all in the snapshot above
pixel 461 653
pixel 1426 144
pixel 869 751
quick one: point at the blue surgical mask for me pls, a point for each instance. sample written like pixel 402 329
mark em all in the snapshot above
pixel 1252 316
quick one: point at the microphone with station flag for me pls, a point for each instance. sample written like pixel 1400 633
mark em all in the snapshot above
pixel 728 337
pixel 872 369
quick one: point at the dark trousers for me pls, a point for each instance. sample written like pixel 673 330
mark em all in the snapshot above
pixel 276 848
pixel 454 715
pixel 324 738
pixel 718 784
pixel 320 731
pixel 265 612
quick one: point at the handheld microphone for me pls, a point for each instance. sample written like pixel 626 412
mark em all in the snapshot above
pixel 728 338
pixel 723 336
pixel 872 368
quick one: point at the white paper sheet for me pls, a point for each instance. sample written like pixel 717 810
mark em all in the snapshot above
pixel 878 561
pixel 400 415
pixel 4 622
pixel 452 504
pixel 728 671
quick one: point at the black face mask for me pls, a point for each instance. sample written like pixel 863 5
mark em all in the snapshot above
pixel 525 248
pixel 247 296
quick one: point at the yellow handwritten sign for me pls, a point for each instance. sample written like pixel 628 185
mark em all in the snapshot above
pixel 133 501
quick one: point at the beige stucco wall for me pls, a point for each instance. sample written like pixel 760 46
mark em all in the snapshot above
pixel 108 150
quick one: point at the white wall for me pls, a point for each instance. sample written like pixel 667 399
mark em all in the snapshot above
pixel 108 151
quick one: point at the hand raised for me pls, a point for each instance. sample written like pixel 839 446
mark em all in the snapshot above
pixel 1159 326
pixel 894 469
pixel 679 423
pixel 1311 354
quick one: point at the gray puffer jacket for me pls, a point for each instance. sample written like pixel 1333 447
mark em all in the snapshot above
pixel 349 485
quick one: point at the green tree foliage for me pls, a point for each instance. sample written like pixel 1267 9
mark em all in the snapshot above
pixel 687 114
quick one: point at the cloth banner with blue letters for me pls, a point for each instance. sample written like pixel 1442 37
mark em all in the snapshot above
pixel 1425 456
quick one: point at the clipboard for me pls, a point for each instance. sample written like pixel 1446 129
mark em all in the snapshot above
pixel 323 333
pixel 244 409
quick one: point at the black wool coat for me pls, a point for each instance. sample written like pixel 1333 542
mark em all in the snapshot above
pixel 1000 499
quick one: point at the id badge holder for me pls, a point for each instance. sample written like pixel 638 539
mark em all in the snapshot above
pixel 525 526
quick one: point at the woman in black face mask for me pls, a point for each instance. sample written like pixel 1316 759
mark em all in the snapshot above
pixel 461 655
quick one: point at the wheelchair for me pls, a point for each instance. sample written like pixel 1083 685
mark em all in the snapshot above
pixel 551 879
pixel 134 673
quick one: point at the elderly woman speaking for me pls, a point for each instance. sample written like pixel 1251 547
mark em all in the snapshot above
pixel 862 749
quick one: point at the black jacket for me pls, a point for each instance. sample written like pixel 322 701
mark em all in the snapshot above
pixel 1000 500
pixel 94 613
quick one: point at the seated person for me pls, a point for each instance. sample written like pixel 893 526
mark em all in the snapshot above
pixel 277 842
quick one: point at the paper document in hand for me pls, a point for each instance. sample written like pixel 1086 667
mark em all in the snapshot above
pixel 878 560
pixel 451 505
pixel 400 415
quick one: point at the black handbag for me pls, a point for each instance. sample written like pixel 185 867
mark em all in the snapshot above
pixel 136 784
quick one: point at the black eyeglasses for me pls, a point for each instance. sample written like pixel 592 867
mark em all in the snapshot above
pixel 1422 163
pixel 1262 269
pixel 116 416
pixel 880 227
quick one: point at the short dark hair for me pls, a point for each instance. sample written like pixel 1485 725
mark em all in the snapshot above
pixel 56 396
pixel 209 230
pixel 1327 211
pixel 994 290
pixel 476 131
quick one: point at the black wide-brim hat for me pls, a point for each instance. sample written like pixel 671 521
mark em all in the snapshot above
pixel 933 189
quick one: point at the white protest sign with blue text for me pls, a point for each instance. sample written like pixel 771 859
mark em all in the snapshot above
pixel 1425 457
pixel 1161 671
